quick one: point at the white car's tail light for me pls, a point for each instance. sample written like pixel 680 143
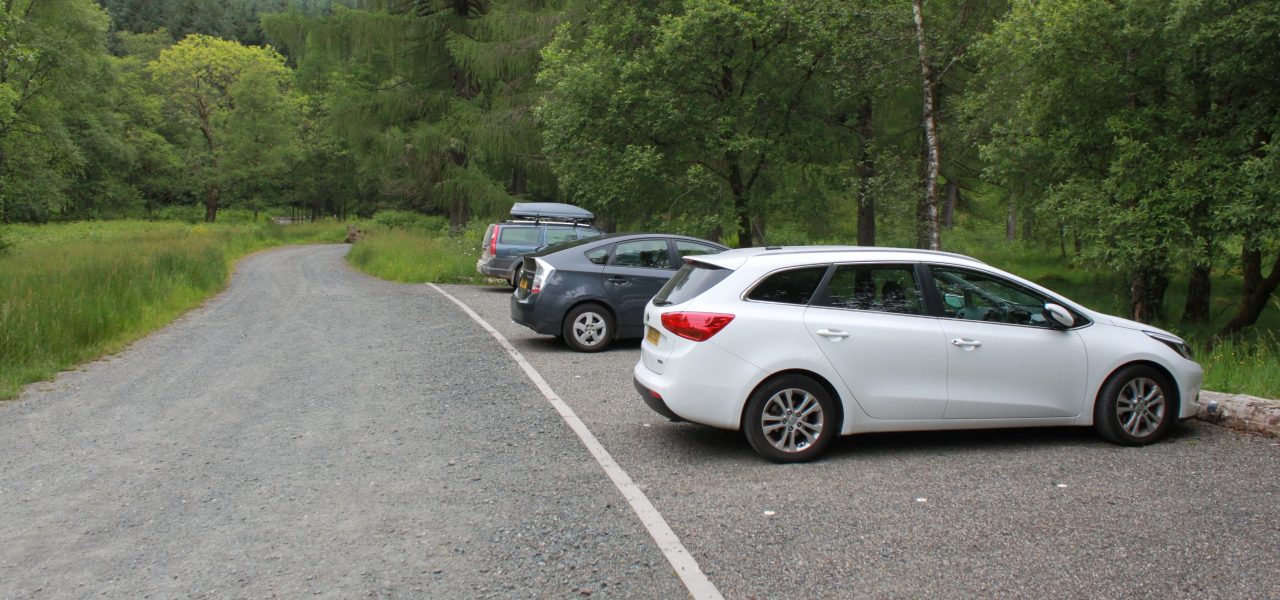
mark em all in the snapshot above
pixel 540 275
pixel 695 326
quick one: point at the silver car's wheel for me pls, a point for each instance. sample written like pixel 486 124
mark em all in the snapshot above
pixel 1135 406
pixel 588 328
pixel 791 418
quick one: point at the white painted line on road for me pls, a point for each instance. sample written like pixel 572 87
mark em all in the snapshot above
pixel 700 588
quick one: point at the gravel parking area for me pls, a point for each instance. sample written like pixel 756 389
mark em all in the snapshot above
pixel 314 431
pixel 1023 513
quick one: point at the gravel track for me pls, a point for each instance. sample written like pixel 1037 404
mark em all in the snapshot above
pixel 310 431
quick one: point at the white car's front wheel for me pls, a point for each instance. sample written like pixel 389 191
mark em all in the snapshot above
pixel 1135 407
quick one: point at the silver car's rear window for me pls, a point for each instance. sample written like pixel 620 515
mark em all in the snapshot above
pixel 691 280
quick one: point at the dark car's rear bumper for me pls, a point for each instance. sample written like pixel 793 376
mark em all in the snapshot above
pixel 525 312
pixel 497 266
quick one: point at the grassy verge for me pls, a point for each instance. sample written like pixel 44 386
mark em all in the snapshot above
pixel 1249 364
pixel 419 255
pixel 74 292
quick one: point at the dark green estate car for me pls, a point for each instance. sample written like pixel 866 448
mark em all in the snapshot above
pixel 533 225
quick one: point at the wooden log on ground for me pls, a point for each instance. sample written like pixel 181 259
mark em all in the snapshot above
pixel 1238 411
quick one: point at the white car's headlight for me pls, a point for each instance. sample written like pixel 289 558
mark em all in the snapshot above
pixel 1175 343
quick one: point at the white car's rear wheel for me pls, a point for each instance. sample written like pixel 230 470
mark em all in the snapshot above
pixel 790 419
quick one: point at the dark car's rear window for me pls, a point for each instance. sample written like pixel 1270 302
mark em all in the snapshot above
pixel 527 236
pixel 556 235
pixel 691 280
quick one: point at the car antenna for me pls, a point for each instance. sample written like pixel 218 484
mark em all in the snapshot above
pixel 760 232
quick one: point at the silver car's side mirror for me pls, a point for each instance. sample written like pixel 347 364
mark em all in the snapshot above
pixel 1058 316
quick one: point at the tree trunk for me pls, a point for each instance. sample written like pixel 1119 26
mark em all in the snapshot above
pixel 457 215
pixel 1028 225
pixel 1147 286
pixel 740 204
pixel 519 182
pixel 1199 288
pixel 929 208
pixel 211 203
pixel 758 227
pixel 866 170
pixel 1257 291
pixel 1011 222
pixel 949 208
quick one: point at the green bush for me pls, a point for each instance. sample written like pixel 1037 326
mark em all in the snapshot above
pixel 404 219
pixel 186 213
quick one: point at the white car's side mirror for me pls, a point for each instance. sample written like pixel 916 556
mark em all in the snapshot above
pixel 1058 316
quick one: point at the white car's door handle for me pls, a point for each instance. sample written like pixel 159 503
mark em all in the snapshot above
pixel 834 334
pixel 966 344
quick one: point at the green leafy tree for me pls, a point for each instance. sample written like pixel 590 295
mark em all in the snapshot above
pixel 232 109
pixel 51 52
pixel 1146 127
pixel 431 98
pixel 651 104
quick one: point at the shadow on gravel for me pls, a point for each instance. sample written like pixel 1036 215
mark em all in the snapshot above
pixel 554 344
pixel 980 441
pixel 698 444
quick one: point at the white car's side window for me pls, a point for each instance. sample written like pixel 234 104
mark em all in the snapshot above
pixel 875 287
pixel 976 296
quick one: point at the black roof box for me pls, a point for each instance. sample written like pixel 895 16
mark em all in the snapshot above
pixel 550 211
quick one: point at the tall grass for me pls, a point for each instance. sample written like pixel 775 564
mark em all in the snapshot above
pixel 1245 364
pixel 70 293
pixel 417 255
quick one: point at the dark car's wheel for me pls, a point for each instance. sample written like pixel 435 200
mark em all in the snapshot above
pixel 1135 407
pixel 588 328
pixel 790 419
pixel 515 277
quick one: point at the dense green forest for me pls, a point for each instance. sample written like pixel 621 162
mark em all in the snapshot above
pixel 1135 136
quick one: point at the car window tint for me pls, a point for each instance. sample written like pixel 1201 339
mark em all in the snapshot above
pixel 649 254
pixel 883 288
pixel 691 280
pixel 559 234
pixel 519 235
pixel 795 286
pixel 980 297
pixel 686 248
pixel 598 256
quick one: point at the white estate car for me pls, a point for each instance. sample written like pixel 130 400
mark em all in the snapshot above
pixel 797 345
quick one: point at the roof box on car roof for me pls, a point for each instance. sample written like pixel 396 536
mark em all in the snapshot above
pixel 550 211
